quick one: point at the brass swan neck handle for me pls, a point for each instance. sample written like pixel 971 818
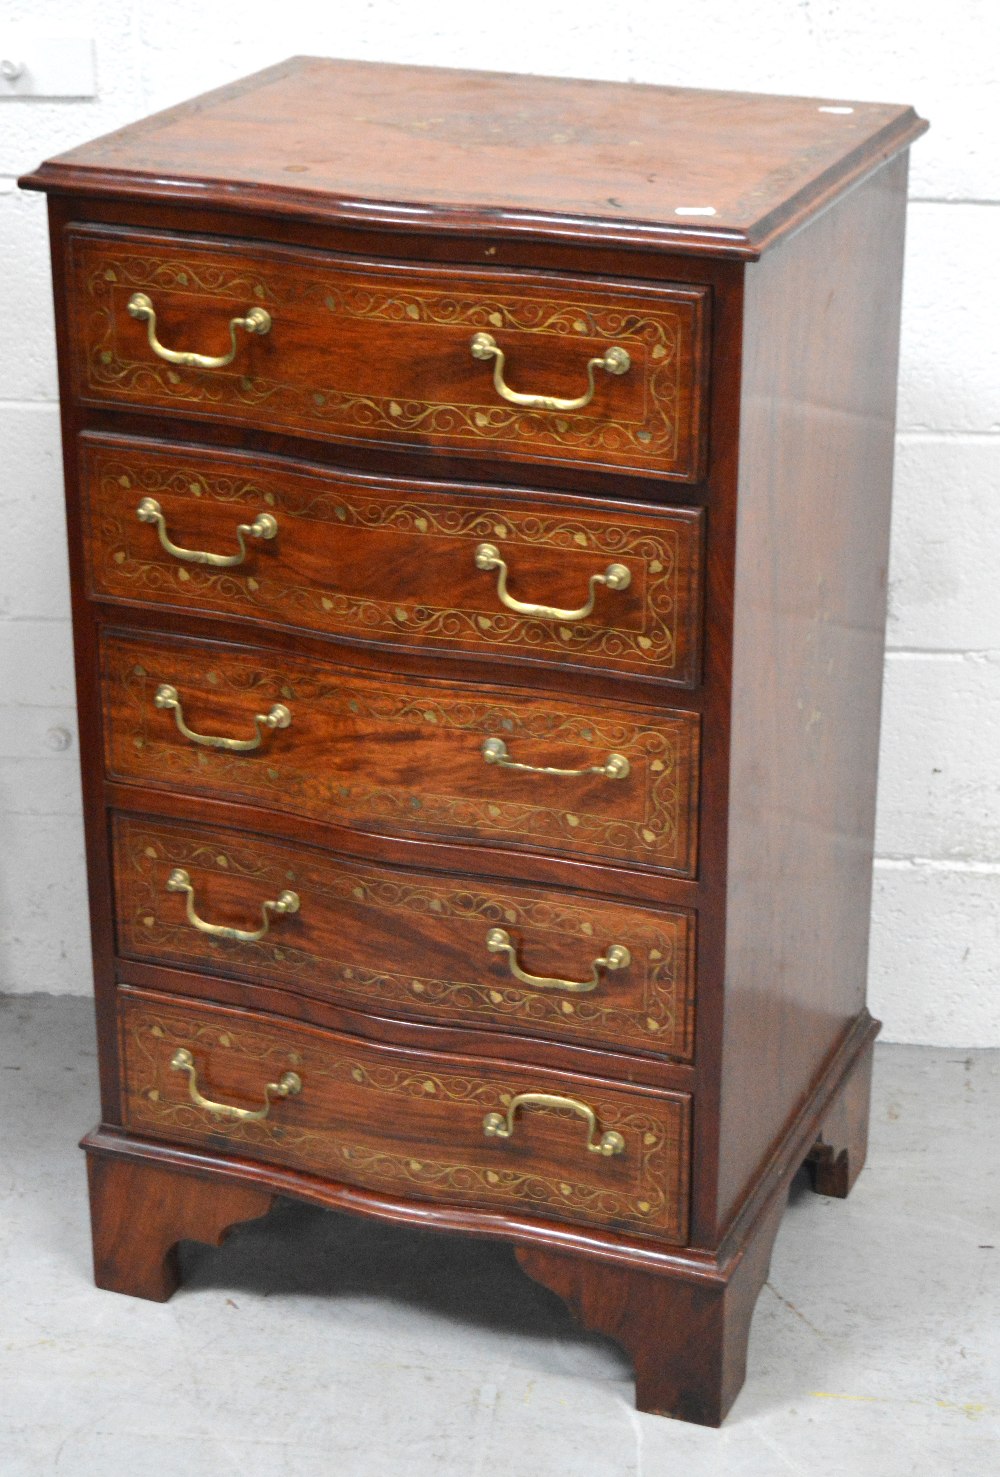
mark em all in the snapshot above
pixel 168 700
pixel 501 1125
pixel 484 346
pixel 289 1084
pixel 615 577
pixel 495 751
pixel 264 526
pixel 286 902
pixel 255 320
pixel 498 941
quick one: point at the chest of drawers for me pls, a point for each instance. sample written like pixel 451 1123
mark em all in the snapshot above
pixel 478 502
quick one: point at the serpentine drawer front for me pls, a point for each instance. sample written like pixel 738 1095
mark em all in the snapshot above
pixel 588 583
pixel 501 956
pixel 600 375
pixel 405 757
pixel 436 1127
pixel 478 500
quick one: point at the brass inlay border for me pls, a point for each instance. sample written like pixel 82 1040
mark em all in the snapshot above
pixel 108 273
pixel 128 568
pixel 664 756
pixel 656 1137
pixel 662 945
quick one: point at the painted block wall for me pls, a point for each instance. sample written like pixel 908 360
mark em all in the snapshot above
pixel 935 975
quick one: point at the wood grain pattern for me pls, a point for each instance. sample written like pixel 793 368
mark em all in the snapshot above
pixel 405 941
pixel 682 1315
pixel 547 211
pixel 839 1153
pixel 621 1250
pixel 394 562
pixel 139 1213
pixel 405 757
pixel 811 578
pixel 497 156
pixel 686 1338
pixel 405 1121
pixel 382 354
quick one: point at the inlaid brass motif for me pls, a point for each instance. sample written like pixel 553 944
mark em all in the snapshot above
pixel 661 333
pixel 649 1199
pixel 661 943
pixel 660 644
pixel 662 756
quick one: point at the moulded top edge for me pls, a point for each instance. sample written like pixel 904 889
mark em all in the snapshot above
pixel 475 153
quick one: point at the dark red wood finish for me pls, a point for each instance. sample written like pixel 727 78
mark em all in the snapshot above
pixel 405 758
pixel 172 1208
pixel 811 579
pixel 405 942
pixel 484 153
pixel 797 380
pixel 360 352
pixel 682 1315
pixel 410 1123
pixel 393 561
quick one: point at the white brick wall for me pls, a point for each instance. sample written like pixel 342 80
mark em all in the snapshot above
pixel 935 973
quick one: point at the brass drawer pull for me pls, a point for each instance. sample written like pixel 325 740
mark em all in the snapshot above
pixel 614 361
pixel 616 577
pixel 618 957
pixel 495 751
pixel 168 700
pixel 257 320
pixel 264 526
pixel 499 1126
pixel 289 1084
pixel 286 902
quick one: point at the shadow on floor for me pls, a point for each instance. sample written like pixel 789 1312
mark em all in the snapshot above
pixel 301 1250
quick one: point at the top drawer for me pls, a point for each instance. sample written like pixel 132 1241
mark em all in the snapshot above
pixel 384 353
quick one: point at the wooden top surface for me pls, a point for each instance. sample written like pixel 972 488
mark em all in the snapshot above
pixel 434 149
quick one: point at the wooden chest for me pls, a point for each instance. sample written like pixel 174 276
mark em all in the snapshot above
pixel 478 495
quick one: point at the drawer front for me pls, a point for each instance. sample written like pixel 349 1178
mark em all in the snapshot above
pixel 399 756
pixel 409 1124
pixel 413 943
pixel 385 353
pixel 386 561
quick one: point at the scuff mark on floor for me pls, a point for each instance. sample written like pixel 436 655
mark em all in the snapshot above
pixel 973 1409
pixel 797 1311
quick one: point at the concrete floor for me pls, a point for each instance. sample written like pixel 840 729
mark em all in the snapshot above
pixel 315 1344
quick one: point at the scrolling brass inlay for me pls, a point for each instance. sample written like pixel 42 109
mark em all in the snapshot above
pixel 670 591
pixel 650 1201
pixel 661 944
pixel 658 333
pixel 660 756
